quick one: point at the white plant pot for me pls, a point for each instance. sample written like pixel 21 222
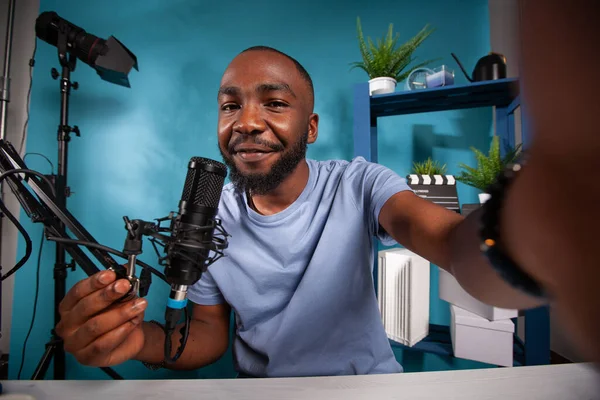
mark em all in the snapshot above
pixel 382 85
pixel 483 197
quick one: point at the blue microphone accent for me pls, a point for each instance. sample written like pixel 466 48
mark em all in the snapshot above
pixel 172 303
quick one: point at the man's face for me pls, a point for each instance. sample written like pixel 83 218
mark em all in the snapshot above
pixel 265 120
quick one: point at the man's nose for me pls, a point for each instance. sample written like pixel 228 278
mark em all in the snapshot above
pixel 250 121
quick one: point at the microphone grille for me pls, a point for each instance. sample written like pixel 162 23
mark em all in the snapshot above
pixel 204 182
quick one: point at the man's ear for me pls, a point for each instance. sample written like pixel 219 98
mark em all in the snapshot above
pixel 313 128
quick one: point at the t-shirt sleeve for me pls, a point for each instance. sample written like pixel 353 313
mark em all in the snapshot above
pixel 377 184
pixel 206 291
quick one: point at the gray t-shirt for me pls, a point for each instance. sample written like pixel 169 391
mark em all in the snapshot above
pixel 300 282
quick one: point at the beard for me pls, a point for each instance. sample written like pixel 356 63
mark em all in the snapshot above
pixel 261 184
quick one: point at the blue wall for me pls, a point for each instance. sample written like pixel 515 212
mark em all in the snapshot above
pixel 131 158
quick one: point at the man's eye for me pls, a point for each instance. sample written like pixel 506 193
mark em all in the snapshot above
pixel 229 107
pixel 277 104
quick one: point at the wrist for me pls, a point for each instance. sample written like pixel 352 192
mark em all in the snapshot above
pixel 151 353
pixel 495 237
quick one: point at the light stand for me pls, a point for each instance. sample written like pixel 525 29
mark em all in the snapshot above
pixel 112 61
pixel 55 346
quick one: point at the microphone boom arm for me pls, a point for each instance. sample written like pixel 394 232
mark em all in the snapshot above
pixel 45 210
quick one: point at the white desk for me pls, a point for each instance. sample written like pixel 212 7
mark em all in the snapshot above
pixel 564 382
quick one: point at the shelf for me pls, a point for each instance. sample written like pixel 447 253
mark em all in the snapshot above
pixel 504 94
pixel 500 93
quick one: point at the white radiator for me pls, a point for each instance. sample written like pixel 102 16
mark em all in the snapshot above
pixel 403 295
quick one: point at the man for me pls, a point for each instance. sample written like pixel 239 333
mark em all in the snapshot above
pixel 298 268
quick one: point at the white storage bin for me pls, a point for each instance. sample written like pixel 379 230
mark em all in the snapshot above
pixel 450 290
pixel 475 338
pixel 403 295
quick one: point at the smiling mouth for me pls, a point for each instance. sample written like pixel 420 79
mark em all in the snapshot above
pixel 252 155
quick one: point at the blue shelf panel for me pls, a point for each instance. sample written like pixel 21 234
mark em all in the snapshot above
pixel 500 93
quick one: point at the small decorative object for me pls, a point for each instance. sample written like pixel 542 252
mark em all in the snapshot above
pixel 418 79
pixel 479 339
pixel 428 180
pixel 488 68
pixel 403 295
pixel 441 76
pixel 488 167
pixel 384 62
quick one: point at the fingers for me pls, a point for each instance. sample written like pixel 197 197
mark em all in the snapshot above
pixel 105 323
pixel 98 301
pixel 84 287
pixel 90 305
pixel 114 347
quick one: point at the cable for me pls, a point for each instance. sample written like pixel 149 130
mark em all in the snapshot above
pixel 56 239
pixel 24 259
pixel 108 250
pixel 35 301
pixel 41 155
pixel 185 331
pixel 15 221
pixel 31 65
pixel 29 172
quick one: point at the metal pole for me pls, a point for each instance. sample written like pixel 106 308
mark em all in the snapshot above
pixel 5 78
pixel 4 99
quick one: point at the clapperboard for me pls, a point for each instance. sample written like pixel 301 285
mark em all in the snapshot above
pixel 469 208
pixel 439 189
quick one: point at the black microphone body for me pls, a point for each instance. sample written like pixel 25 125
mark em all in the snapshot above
pixel 192 232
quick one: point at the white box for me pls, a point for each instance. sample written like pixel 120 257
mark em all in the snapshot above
pixel 403 295
pixel 475 338
pixel 450 290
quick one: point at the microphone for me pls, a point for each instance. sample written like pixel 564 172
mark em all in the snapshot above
pixel 192 233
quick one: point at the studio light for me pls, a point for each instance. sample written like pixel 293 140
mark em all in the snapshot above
pixel 110 58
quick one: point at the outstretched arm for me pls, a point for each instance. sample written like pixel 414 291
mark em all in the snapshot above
pixel 451 242
pixel 548 229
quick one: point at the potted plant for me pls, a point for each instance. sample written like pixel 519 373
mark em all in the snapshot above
pixel 429 180
pixel 488 167
pixel 428 167
pixel 385 63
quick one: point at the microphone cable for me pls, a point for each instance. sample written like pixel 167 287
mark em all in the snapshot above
pixel 35 304
pixel 15 221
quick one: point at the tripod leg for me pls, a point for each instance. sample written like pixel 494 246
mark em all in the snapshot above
pixel 112 373
pixel 42 367
pixel 60 276
pixel 40 371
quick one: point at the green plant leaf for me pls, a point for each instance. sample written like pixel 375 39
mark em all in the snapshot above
pixel 428 167
pixel 488 167
pixel 384 58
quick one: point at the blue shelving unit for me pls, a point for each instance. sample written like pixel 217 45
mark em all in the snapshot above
pixel 504 95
